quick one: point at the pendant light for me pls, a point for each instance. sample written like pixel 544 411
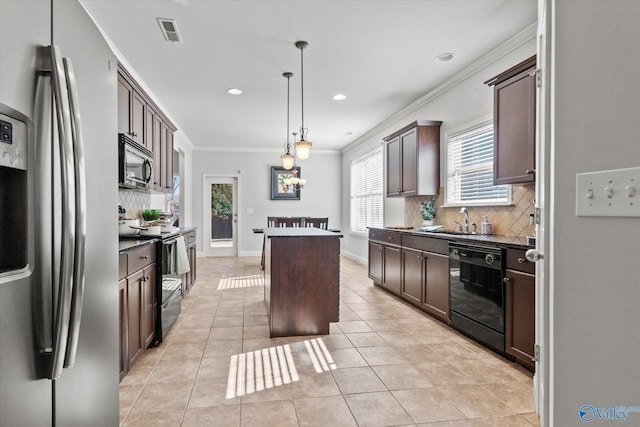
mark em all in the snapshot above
pixel 287 158
pixel 303 146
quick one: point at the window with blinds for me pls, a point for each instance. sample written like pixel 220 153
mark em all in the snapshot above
pixel 470 169
pixel 366 191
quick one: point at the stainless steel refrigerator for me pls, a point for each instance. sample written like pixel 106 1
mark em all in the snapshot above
pixel 58 237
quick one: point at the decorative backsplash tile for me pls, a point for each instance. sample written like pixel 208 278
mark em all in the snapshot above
pixel 134 202
pixel 506 220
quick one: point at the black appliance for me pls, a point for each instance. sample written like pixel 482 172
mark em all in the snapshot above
pixel 170 288
pixel 477 293
pixel 58 281
pixel 135 164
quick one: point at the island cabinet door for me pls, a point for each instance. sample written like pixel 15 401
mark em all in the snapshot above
pixel 303 296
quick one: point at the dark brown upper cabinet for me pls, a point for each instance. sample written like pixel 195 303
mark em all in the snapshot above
pixel 141 119
pixel 413 159
pixel 514 109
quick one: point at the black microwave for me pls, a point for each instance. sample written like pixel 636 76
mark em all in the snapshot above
pixel 135 164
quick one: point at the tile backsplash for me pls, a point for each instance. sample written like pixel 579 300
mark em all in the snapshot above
pixel 134 202
pixel 506 220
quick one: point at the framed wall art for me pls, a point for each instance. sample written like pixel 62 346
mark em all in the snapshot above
pixel 281 186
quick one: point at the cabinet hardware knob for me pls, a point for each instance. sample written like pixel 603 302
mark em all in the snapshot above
pixel 144 256
pixel 530 171
pixel 521 260
pixel 506 280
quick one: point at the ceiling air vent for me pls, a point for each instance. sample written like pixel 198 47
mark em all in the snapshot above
pixel 169 29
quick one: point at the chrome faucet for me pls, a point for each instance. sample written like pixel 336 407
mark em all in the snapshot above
pixel 463 211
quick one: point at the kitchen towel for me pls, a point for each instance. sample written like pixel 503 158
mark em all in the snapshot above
pixel 182 259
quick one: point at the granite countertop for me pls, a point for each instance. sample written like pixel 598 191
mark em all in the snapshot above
pixel 130 244
pixel 127 243
pixel 510 241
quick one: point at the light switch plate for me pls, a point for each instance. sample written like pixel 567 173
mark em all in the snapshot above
pixel 608 193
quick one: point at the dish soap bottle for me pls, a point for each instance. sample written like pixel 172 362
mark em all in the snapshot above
pixel 485 227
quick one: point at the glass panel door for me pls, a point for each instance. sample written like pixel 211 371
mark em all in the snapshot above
pixel 222 218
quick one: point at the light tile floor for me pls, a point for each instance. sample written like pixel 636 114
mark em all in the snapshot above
pixel 392 365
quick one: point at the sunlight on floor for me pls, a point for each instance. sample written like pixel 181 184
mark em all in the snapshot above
pixel 241 282
pixel 320 356
pixel 259 370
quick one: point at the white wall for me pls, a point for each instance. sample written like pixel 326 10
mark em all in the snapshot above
pixel 468 101
pixel 182 144
pixel 595 273
pixel 319 197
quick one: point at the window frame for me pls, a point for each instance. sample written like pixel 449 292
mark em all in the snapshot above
pixel 378 151
pixel 456 133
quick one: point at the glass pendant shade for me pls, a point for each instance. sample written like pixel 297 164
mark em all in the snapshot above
pixel 303 148
pixel 287 161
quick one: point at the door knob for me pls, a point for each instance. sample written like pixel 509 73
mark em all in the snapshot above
pixel 533 255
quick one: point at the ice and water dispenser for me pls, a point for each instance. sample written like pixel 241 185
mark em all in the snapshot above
pixel 13 191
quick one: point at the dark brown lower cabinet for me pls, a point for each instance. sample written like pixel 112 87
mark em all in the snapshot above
pixel 137 304
pixel 376 252
pixel 141 311
pixel 149 305
pixel 436 288
pixel 124 350
pixel 134 316
pixel 414 267
pixel 301 298
pixel 392 271
pixel 521 317
pixel 425 281
pixel 189 278
pixel 413 278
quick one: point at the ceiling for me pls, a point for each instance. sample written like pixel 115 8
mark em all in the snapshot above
pixel 380 54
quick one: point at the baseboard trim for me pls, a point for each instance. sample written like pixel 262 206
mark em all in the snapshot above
pixel 354 257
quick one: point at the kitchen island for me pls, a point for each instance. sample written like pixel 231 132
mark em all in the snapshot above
pixel 301 280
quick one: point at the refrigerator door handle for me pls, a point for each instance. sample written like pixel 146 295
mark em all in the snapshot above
pixel 44 251
pixel 65 281
pixel 80 216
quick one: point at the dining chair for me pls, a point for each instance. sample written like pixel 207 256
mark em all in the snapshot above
pixel 321 223
pixel 272 221
pixel 288 222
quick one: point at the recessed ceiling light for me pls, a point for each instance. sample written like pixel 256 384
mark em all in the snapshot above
pixel 234 91
pixel 444 57
pixel 340 97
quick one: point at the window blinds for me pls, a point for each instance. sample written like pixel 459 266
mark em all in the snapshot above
pixel 366 191
pixel 470 169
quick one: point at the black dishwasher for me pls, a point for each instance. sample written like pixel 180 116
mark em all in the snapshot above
pixel 477 292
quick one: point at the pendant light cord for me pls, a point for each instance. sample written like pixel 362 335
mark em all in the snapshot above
pixel 302 89
pixel 288 81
